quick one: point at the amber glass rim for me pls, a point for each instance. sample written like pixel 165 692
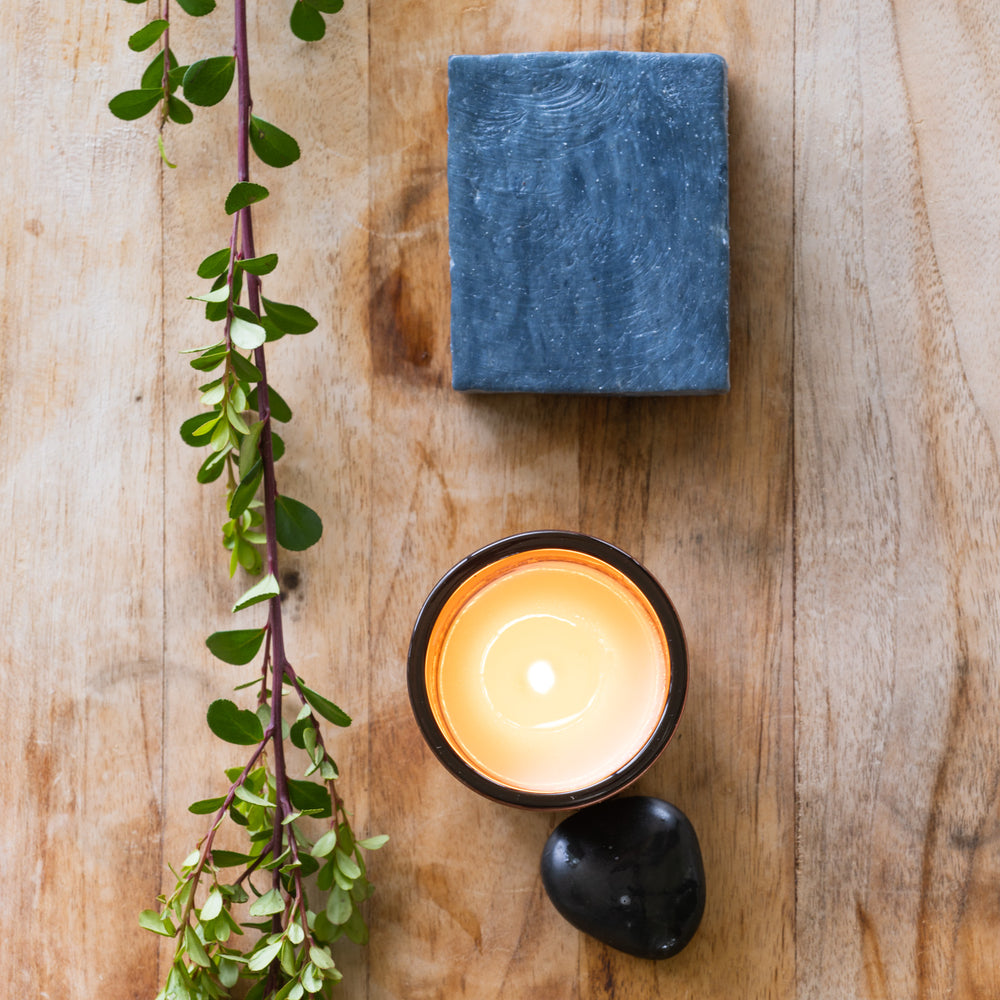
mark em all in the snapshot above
pixel 420 700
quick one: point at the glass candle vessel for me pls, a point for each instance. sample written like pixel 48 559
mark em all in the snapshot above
pixel 547 670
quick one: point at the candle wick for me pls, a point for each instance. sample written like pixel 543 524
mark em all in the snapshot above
pixel 541 676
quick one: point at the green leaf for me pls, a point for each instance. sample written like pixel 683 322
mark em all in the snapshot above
pixel 297 732
pixel 229 859
pixel 347 864
pixel 152 76
pixel 248 557
pixel 132 104
pixel 362 890
pixel 229 972
pixel 246 491
pixel 297 525
pixel 331 712
pixel 292 990
pixel 374 843
pixel 215 393
pixel 246 336
pixel 307 23
pixel 205 806
pixel 147 36
pixel 277 446
pixel 309 797
pixel 263 590
pixel 216 311
pixel 216 383
pixel 341 879
pixel 238 401
pixel 221 440
pixel 291 319
pixel 280 410
pixel 237 646
pixel 273 333
pixel 356 929
pixel 311 979
pixel 197 8
pixel 260 960
pixel 256 992
pixel 196 949
pixel 193 425
pixel 246 370
pixel 244 193
pixel 272 146
pixel 251 798
pixel 259 265
pixel 212 907
pixel 234 724
pixel 324 880
pixel 178 980
pixel 211 468
pixel 178 111
pixel 325 845
pixel 327 6
pixel 237 817
pixel 271 902
pixel 207 81
pixel 235 416
pixel 249 453
pixel 216 929
pixel 214 264
pixel 346 840
pixel 175 75
pixel 152 921
pixel 338 906
pixel 210 359
pixel 320 957
pixel 242 311
pixel 220 294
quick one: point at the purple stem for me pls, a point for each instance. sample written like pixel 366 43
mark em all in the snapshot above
pixel 165 14
pixel 279 661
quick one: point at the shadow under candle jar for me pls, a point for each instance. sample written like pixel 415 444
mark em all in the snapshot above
pixel 547 670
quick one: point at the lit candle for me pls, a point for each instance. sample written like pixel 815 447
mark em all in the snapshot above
pixel 547 670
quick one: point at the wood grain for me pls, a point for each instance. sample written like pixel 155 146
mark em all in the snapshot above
pixel 81 491
pixel 671 480
pixel 828 531
pixel 897 486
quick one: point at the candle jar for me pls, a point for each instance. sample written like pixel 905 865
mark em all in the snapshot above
pixel 547 670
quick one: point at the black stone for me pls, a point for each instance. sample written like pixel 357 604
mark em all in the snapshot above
pixel 588 198
pixel 629 873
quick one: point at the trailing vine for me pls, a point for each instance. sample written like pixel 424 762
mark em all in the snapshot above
pixel 292 891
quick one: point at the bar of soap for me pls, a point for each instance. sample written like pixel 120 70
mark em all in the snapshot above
pixel 588 207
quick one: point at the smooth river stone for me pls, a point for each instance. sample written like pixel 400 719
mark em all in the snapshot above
pixel 629 873
pixel 588 208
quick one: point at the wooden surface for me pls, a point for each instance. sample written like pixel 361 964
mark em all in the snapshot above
pixel 828 531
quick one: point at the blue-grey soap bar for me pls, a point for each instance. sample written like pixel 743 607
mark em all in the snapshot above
pixel 588 208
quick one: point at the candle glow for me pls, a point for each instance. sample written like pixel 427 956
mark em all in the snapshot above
pixel 548 670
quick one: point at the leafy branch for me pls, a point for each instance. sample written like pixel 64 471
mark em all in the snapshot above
pixel 270 888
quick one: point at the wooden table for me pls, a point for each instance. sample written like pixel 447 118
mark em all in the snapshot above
pixel 828 530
